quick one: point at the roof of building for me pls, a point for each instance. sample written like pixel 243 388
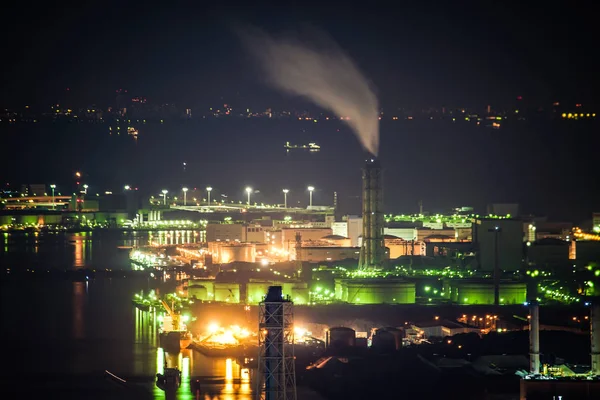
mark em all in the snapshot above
pixel 334 237
pixel 445 323
pixel 550 242
pixel 439 237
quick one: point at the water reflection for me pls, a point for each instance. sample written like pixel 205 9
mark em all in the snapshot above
pixel 79 298
pixel 81 253
pixel 218 378
pixel 98 249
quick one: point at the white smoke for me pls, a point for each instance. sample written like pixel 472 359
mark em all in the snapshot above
pixel 325 75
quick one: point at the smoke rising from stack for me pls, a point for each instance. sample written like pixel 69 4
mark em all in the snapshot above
pixel 325 75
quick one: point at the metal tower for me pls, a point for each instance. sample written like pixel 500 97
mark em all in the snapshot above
pixel 372 252
pixel 276 379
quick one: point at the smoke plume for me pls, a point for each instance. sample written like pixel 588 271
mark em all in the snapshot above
pixel 323 74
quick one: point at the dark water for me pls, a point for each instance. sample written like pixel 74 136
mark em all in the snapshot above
pixel 98 250
pixel 58 331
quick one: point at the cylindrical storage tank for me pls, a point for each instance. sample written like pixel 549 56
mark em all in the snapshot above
pixel 384 341
pixel 398 335
pixel 300 295
pixel 198 291
pixel 240 253
pixel 227 292
pixel 342 337
pixel 256 291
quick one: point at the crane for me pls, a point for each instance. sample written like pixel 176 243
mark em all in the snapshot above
pixel 175 317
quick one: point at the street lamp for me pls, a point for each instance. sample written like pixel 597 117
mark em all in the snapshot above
pixel 164 192
pixel 248 190
pixel 53 203
pixel 208 190
pixel 184 195
pixel 127 187
pixel 85 189
pixel 310 191
pixel 285 192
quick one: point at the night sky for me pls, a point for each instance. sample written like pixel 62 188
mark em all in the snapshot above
pixel 428 54
pixel 432 54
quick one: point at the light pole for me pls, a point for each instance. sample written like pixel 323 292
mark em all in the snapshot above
pixel 249 191
pixel 310 191
pixel 164 192
pixel 208 190
pixel 285 192
pixel 53 203
pixel 184 195
pixel 85 187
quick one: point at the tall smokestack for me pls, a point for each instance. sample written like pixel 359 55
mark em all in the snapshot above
pixel 534 337
pixel 372 252
pixel 595 336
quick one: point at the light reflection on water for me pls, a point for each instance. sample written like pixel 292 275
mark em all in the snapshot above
pixel 221 378
pixel 101 249
pixel 88 327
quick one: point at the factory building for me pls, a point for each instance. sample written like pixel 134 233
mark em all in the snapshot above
pixel 397 247
pixel 498 239
pixel 288 236
pixel 340 228
pixel 354 228
pixel 225 232
pixel 253 233
pixel 442 328
pixel 375 291
pixel 550 253
pixel 326 253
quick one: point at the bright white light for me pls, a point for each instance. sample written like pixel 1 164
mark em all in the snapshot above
pixel 248 190
pixel 264 262
pixel 208 189
pixel 311 188
pixel 299 332
pixel 286 191
pixel 213 328
pixel 165 191
pixel 185 189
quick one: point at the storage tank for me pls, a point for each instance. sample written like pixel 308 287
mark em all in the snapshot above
pixel 385 341
pixel 378 291
pixel 239 252
pixel 198 291
pixel 256 291
pixel 341 337
pixel 395 340
pixel 227 292
pixel 482 292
